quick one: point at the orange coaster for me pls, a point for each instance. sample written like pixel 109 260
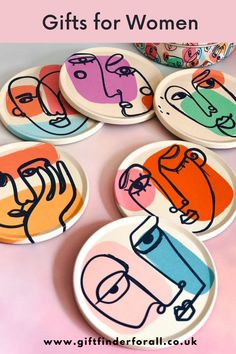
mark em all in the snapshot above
pixel 179 181
pixel 43 192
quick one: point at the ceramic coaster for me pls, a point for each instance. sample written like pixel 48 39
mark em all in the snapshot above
pixel 110 85
pixel 180 181
pixel 144 282
pixel 32 108
pixel 199 105
pixel 43 192
pixel 186 55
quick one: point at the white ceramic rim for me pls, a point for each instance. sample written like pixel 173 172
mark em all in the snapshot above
pixel 106 118
pixel 208 234
pixel 207 143
pixel 94 238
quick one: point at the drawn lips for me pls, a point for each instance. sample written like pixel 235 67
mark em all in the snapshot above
pixel 189 218
pixel 60 122
pixel 226 122
pixel 17 213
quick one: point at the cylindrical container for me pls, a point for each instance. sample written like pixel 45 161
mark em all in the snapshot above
pixel 186 55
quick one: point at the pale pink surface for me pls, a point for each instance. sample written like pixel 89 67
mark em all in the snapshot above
pixel 36 298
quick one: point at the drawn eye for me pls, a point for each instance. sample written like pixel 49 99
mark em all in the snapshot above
pixel 28 172
pixel 26 99
pixel 125 71
pixel 210 83
pixel 149 240
pixel 3 179
pixel 112 288
pixel 82 60
pixel 140 184
pixel 179 95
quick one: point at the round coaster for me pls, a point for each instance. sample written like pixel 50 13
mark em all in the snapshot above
pixel 199 105
pixel 32 108
pixel 43 192
pixel 145 283
pixel 180 181
pixel 110 85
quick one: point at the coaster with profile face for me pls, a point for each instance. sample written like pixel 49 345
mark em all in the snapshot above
pixel 43 192
pixel 139 278
pixel 179 181
pixel 33 108
pixel 199 105
pixel 110 85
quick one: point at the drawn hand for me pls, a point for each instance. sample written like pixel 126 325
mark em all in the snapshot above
pixel 56 197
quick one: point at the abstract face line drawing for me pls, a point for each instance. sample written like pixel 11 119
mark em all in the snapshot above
pixel 173 60
pixel 30 96
pixel 191 56
pixel 24 205
pixel 211 104
pixel 115 291
pixel 186 55
pixel 152 52
pixel 117 286
pixel 113 80
pixel 165 174
pixel 219 52
pixel 151 244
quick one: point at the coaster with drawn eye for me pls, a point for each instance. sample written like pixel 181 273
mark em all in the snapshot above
pixel 43 192
pixel 33 108
pixel 179 181
pixel 199 105
pixel 110 85
pixel 140 279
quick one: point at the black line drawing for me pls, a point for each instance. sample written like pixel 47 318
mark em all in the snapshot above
pixel 118 287
pixel 112 67
pixel 210 113
pixel 61 184
pixel 58 120
pixel 144 243
pixel 169 189
pixel 114 290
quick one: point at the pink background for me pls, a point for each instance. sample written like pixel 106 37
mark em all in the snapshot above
pixel 36 297
pixel 22 20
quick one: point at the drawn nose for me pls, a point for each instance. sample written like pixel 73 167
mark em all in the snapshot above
pixel 52 103
pixel 212 109
pixel 208 108
pixel 204 104
pixel 25 196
